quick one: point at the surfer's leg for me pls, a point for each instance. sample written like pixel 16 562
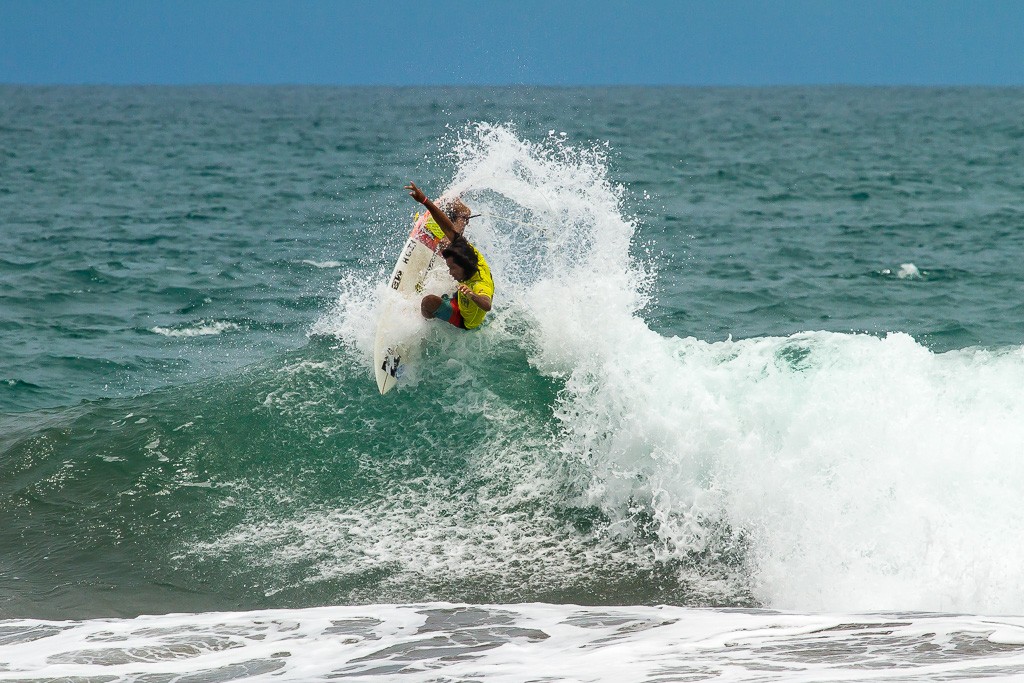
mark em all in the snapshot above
pixel 443 308
pixel 430 304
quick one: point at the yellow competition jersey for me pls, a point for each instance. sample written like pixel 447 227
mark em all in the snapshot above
pixel 482 284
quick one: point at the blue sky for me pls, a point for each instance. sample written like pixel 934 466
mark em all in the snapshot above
pixel 464 42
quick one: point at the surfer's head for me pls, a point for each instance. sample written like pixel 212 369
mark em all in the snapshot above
pixel 461 259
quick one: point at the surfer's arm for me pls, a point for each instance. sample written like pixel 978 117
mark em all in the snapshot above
pixel 481 300
pixel 439 216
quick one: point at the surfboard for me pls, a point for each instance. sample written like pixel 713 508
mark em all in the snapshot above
pixel 407 280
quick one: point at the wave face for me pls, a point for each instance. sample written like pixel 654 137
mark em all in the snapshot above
pixel 576 449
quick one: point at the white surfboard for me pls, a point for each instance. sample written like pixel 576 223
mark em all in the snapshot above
pixel 407 280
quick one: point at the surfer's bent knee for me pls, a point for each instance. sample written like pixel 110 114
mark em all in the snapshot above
pixel 429 305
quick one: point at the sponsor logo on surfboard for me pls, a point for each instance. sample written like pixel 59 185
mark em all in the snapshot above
pixel 391 363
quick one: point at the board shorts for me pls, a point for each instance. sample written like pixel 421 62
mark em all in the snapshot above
pixel 449 311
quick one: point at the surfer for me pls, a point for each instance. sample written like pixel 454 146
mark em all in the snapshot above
pixel 466 265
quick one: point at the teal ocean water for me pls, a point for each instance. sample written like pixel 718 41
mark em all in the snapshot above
pixel 753 350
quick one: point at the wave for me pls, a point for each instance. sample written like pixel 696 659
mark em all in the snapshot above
pixel 566 452
pixel 818 471
pixel 815 472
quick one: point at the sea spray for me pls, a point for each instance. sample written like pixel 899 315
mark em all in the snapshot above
pixel 841 471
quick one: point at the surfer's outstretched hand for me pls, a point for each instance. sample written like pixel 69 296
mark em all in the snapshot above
pixel 416 193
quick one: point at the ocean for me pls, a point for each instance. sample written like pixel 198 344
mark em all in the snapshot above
pixel 748 406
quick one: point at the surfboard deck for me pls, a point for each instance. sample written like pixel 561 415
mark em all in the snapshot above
pixel 389 348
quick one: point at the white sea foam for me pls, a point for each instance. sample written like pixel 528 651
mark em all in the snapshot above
pixel 512 643
pixel 859 473
pixel 849 472
pixel 322 264
pixel 908 270
pixel 201 329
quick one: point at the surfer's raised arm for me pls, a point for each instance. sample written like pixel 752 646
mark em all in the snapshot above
pixel 442 219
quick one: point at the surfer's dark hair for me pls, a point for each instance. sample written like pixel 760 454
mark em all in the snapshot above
pixel 463 254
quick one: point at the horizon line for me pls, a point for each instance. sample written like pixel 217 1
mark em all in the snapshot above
pixel 396 86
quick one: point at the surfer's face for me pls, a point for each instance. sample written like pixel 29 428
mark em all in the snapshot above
pixel 457 271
